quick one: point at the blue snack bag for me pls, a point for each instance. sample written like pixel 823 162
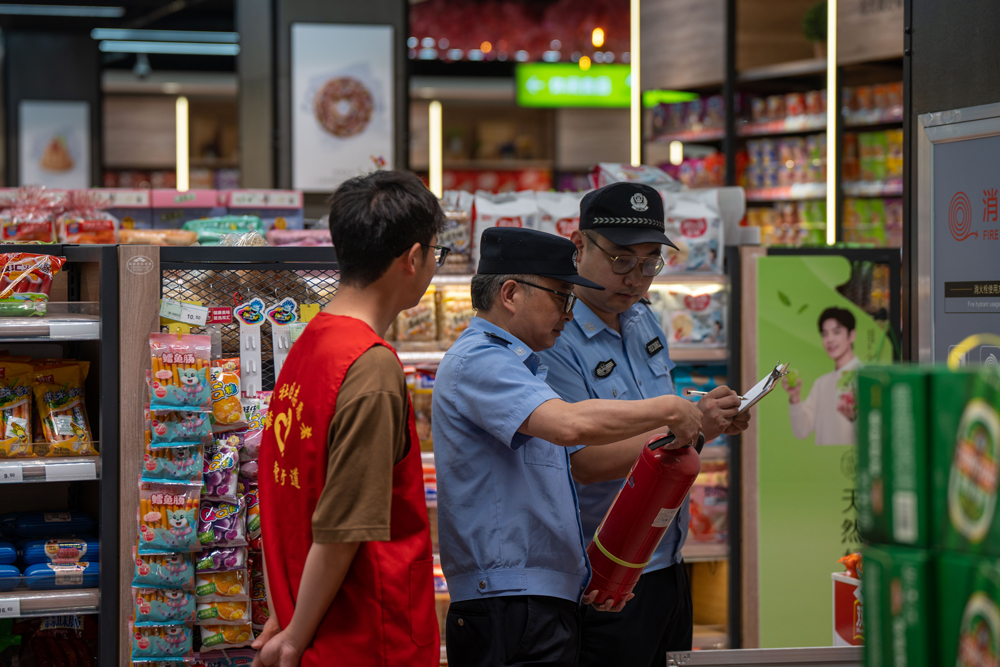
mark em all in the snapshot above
pixel 163 570
pixel 166 606
pixel 172 428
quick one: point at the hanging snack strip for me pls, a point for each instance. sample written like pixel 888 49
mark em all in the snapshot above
pixel 59 397
pixel 175 464
pixel 168 606
pixel 163 570
pixel 168 518
pixel 15 410
pixel 25 283
pixel 175 428
pixel 180 379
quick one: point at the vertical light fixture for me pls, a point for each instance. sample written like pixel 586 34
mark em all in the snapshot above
pixel 832 112
pixel 183 153
pixel 435 158
pixel 676 153
pixel 635 138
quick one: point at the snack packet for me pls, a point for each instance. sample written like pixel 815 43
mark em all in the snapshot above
pixel 222 464
pixel 180 378
pixel 222 586
pixel 252 501
pixel 169 642
pixel 218 637
pixel 59 398
pixel 559 212
pixel 221 559
pixel 173 464
pixel 259 611
pixel 85 222
pixel 255 411
pixel 420 383
pixel 454 313
pixel 173 428
pixel 212 230
pixel 223 613
pixel 691 318
pixel 168 516
pixel 174 570
pixel 457 231
pixel 222 524
pixel 229 365
pixel 167 606
pixel 420 322
pixel 15 410
pixel 226 406
pixel 31 215
pixel 25 283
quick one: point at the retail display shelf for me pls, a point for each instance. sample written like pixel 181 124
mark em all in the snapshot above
pixel 796 192
pixel 23 603
pixel 692 136
pixel 873 189
pixel 68 469
pixel 421 357
pixel 791 125
pixel 862 119
pixel 710 637
pixel 695 552
pixel 497 165
pixel 61 322
pixel 695 354
pixel 808 67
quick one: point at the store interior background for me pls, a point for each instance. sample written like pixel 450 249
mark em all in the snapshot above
pixel 896 60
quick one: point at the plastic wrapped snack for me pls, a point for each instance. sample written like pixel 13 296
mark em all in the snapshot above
pixel 222 524
pixel 216 637
pixel 211 230
pixel 15 410
pixel 59 398
pixel 691 318
pixel 226 406
pixel 252 502
pixel 168 517
pixel 25 283
pixel 174 428
pixel 300 237
pixel 699 243
pixel 31 216
pixel 180 378
pixel 160 237
pixel 173 464
pixel 165 642
pixel 222 466
pixel 224 613
pixel 60 550
pixel 85 222
pixel 559 212
pixel 457 231
pixel 420 322
pixel 222 586
pixel 166 606
pixel 163 570
pixel 221 559
pixel 420 382
pixel 51 576
pixel 454 312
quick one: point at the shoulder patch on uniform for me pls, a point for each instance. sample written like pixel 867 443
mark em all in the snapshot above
pixel 645 301
pixel 603 368
pixel 654 346
pixel 499 340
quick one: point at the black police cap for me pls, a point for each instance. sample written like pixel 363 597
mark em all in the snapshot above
pixel 515 250
pixel 625 213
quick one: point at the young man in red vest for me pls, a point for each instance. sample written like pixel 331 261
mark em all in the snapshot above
pixel 347 546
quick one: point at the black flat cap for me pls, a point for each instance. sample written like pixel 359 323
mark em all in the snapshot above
pixel 515 250
pixel 625 213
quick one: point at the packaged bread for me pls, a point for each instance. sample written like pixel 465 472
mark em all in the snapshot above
pixel 163 237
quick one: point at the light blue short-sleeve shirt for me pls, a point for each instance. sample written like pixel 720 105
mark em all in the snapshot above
pixel 508 522
pixel 578 370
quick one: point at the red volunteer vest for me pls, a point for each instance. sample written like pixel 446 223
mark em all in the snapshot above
pixel 383 613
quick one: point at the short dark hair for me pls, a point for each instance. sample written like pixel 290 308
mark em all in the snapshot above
pixel 375 218
pixel 842 316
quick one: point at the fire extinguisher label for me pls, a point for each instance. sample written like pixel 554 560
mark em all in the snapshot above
pixel 664 517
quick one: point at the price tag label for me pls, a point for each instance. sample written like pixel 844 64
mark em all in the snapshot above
pixel 295 330
pixel 11 473
pixel 10 607
pixel 194 315
pixel 68 472
pixel 171 309
pixel 220 315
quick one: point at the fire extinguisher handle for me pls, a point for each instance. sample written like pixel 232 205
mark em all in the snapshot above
pixel 700 442
pixel 698 445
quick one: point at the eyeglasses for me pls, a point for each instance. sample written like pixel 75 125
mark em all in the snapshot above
pixel 622 264
pixel 570 298
pixel 440 252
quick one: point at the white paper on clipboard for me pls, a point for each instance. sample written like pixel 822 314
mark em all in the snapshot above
pixel 763 388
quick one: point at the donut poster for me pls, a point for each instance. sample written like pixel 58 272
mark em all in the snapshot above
pixel 54 144
pixel 342 103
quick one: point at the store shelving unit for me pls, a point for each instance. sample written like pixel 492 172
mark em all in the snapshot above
pixel 81 323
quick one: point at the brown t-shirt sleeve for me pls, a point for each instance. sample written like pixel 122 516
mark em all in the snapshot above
pixel 368 436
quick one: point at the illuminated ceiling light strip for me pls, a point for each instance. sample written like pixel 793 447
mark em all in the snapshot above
pixel 164 35
pixel 63 10
pixel 635 124
pixel 183 157
pixel 832 111
pixel 435 159
pixel 175 48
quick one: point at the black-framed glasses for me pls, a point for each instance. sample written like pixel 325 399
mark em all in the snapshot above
pixel 622 264
pixel 440 252
pixel 570 298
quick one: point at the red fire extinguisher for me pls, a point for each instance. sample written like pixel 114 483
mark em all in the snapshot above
pixel 644 508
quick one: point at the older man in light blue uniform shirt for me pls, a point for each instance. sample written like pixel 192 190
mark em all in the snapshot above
pixel 512 547
pixel 615 349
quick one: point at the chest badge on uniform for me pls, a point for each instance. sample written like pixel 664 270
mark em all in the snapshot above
pixel 654 346
pixel 603 368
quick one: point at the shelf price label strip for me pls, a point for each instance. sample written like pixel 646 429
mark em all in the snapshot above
pixel 11 473
pixel 10 607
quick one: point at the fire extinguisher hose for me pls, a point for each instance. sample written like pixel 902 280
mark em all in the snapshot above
pixel 615 559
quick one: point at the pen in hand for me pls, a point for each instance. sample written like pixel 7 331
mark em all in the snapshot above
pixel 705 393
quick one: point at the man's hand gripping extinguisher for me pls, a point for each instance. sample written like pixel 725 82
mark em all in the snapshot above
pixel 644 508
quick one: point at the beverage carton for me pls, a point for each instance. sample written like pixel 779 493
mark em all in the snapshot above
pixel 968 610
pixel 898 591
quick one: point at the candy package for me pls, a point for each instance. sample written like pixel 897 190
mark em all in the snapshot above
pixel 255 411
pixel 222 465
pixel 510 209
pixel 25 283
pixel 168 517
pixel 172 428
pixel 62 410
pixel 559 212
pixel 180 378
pixel 165 606
pixel 220 559
pixel 259 611
pixel 252 502
pixel 167 642
pixel 457 231
pixel 222 586
pixel 420 322
pixel 173 464
pixel 226 406
pixel 224 613
pixel 691 318
pixel 163 570
pixel 222 524
pixel 218 637
pixel 15 410
pixel 85 221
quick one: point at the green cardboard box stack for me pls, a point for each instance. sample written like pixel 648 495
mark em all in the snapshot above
pixel 928 470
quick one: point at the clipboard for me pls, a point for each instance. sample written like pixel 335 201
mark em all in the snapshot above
pixel 763 388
